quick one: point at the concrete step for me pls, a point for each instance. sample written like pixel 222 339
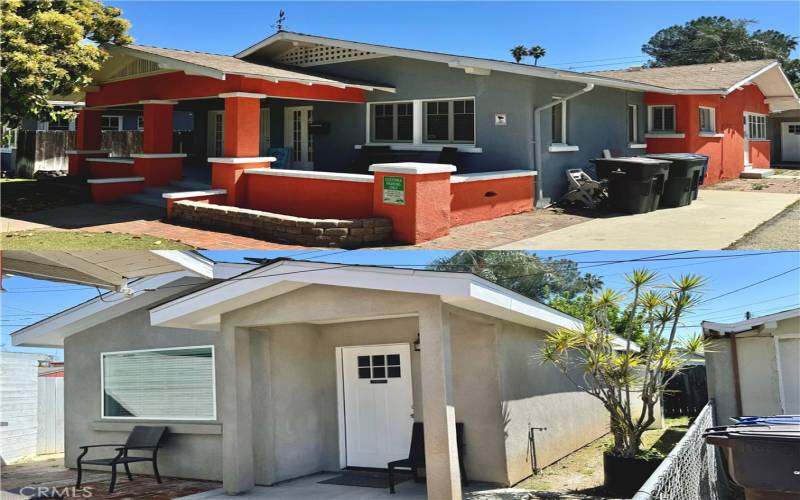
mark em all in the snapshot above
pixel 189 185
pixel 756 173
pixel 147 198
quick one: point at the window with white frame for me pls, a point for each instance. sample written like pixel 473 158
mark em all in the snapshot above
pixel 160 384
pixel 559 123
pixel 708 120
pixel 392 122
pixel 756 127
pixel 633 123
pixel 661 119
pixel 449 121
pixel 111 122
pixel 140 122
pixel 60 124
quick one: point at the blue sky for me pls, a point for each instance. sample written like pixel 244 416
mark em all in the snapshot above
pixel 27 300
pixel 580 35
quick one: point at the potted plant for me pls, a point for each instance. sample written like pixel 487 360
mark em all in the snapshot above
pixel 617 373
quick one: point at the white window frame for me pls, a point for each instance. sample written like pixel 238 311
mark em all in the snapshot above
pixel 712 118
pixel 633 123
pixel 650 110
pixel 395 117
pixel 418 143
pixel 151 418
pixel 139 122
pixel 119 121
pixel 761 124
pixel 563 104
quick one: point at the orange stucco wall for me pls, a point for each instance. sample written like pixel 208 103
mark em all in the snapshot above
pixel 157 133
pixel 489 199
pixel 107 193
pixel 313 198
pixel 159 171
pixel 726 153
pixel 108 170
pixel 426 213
pixel 242 121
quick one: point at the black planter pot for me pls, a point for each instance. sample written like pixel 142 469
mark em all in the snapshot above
pixel 624 476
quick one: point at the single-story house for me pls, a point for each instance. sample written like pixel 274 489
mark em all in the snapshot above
pixel 784 133
pixel 752 366
pixel 268 372
pixel 721 111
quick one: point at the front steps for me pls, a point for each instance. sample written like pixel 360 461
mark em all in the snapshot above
pixel 756 173
pixel 153 196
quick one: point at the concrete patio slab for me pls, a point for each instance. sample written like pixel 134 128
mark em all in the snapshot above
pixel 309 487
pixel 713 222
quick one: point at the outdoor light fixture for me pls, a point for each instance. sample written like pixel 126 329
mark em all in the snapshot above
pixel 416 343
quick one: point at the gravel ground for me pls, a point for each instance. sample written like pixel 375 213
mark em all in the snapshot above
pixel 787 184
pixel 782 232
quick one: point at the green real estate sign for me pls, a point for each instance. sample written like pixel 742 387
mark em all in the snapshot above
pixel 394 190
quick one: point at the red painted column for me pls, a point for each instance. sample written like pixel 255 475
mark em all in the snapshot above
pixel 416 196
pixel 240 145
pixel 88 139
pixel 157 134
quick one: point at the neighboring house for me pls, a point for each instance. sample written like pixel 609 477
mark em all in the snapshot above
pixel 719 110
pixel 265 373
pixel 121 119
pixel 752 366
pixel 784 132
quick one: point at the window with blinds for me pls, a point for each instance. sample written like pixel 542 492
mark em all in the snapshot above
pixel 164 384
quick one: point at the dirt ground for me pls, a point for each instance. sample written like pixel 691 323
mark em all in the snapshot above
pixel 787 182
pixel 782 232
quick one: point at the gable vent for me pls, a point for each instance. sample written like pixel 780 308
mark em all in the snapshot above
pixel 316 55
pixel 136 67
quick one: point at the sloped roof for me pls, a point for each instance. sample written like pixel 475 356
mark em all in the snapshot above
pixel 231 65
pixel 717 76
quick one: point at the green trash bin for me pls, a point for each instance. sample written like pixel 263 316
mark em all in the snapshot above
pixel 635 184
pixel 685 176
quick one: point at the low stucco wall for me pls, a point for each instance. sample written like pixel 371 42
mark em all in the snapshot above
pixel 191 450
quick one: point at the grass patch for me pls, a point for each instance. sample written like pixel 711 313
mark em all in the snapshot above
pixel 21 196
pixel 81 240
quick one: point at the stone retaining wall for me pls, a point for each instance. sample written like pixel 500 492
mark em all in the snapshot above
pixel 348 233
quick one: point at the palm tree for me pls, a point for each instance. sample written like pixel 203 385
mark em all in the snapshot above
pixel 519 52
pixel 536 52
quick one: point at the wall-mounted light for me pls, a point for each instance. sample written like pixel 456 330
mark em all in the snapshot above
pixel 416 343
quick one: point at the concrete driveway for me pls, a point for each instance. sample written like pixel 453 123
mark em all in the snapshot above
pixel 712 222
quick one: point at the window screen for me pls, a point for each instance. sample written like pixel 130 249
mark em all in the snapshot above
pixel 662 119
pixel 159 384
pixel 707 120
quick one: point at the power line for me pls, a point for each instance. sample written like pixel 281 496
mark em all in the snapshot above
pixel 751 285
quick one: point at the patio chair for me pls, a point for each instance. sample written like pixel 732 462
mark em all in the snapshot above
pixel 141 438
pixel 416 455
pixel 281 156
pixel 583 189
pixel 448 156
pixel 368 155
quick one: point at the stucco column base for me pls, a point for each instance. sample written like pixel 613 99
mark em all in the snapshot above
pixel 158 170
pixel 227 173
pixel 76 161
pixel 237 411
pixel 157 133
pixel 442 473
pixel 424 213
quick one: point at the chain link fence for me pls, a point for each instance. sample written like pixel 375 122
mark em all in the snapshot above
pixel 691 470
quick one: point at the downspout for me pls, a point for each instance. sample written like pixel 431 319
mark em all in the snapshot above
pixel 537 139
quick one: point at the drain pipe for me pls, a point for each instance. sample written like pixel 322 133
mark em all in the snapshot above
pixel 537 140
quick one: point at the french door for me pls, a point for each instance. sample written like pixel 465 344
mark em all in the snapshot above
pixel 296 136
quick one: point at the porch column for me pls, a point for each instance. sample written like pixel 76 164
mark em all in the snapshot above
pixel 157 163
pixel 88 140
pixel 438 412
pixel 240 144
pixel 237 411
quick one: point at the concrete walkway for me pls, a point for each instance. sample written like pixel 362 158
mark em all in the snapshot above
pixel 307 488
pixel 713 222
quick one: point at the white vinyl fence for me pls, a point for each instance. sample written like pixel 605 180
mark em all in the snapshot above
pixel 50 432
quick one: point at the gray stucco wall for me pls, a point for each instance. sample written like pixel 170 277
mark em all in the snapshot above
pixel 82 422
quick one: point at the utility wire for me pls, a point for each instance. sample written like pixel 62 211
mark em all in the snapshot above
pixel 751 285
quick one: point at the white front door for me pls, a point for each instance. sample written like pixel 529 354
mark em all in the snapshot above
pixel 790 141
pixel 746 141
pixel 377 405
pixel 296 136
pixel 788 353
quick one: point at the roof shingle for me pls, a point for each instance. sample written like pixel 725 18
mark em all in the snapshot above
pixel 716 76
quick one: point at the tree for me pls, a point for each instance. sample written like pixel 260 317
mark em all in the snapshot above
pixel 522 272
pixel 711 39
pixel 45 52
pixel 589 359
pixel 536 52
pixel 519 52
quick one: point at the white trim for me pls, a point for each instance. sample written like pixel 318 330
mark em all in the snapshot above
pixel 713 118
pixel 127 161
pixel 562 148
pixel 238 160
pixel 412 168
pixel 158 101
pixel 758 73
pixel 418 141
pixel 560 101
pixel 115 180
pixel 748 324
pixel 657 135
pixel 192 194
pixel 213 384
pixel 86 151
pixel 242 94
pixel 120 120
pixel 490 176
pixel 405 146
pixel 159 155
pixel 338 352
pixel 311 174
pixel 781 391
pixel 637 146
pixel 190 260
pixel 710 134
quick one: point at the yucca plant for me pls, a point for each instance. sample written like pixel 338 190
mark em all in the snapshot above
pixel 594 360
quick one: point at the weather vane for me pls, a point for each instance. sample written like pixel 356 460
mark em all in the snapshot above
pixel 281 19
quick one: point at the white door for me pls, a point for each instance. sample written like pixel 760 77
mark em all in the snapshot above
pixel 378 404
pixel 790 141
pixel 216 134
pixel 746 141
pixel 788 350
pixel 296 136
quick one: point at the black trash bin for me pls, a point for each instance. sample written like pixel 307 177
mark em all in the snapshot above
pixel 763 455
pixel 635 184
pixel 685 176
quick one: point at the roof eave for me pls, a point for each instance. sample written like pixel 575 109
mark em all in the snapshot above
pixel 170 63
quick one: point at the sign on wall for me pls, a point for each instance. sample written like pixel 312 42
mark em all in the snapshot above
pixel 500 120
pixel 394 190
